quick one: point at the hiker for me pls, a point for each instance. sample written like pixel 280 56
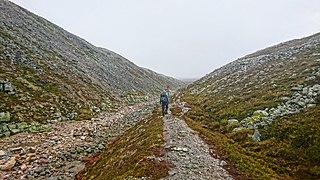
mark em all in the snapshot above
pixel 164 101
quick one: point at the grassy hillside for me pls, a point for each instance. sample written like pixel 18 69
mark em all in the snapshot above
pixel 56 75
pixel 266 92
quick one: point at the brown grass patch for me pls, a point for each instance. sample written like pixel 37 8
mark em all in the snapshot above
pixel 133 155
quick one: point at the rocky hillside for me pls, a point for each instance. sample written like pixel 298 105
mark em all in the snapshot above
pixel 262 111
pixel 47 73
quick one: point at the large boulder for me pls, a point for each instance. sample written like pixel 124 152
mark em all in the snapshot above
pixel 233 121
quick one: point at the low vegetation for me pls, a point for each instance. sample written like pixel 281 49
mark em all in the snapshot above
pixel 289 146
pixel 133 155
pixel 47 96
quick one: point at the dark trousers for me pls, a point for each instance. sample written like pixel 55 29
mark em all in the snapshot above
pixel 164 108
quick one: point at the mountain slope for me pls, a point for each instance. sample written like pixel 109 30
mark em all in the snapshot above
pixel 262 111
pixel 52 74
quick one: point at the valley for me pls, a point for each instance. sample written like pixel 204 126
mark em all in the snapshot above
pixel 71 110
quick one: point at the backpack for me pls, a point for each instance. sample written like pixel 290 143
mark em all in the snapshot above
pixel 163 97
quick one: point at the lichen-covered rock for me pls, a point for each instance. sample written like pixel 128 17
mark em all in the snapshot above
pixel 6 86
pixel 4 130
pixel 23 126
pixel 4 117
pixel 36 127
pixel 13 128
pixel 232 121
pixel 256 136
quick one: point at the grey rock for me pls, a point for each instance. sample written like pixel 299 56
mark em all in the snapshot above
pixel 237 129
pixel 172 173
pixel 7 87
pixel 181 149
pixel 222 163
pixel 311 105
pixel 54 138
pixel 257 112
pixel 256 136
pixel 232 121
pixel 285 98
pixel 88 150
pixel 305 90
pixel 311 78
pixel 297 88
pixel 315 88
pixel 15 149
pixel 101 147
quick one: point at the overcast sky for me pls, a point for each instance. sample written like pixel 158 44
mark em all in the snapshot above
pixel 182 38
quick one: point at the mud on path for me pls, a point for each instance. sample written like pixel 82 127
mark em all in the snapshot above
pixel 189 154
pixel 59 154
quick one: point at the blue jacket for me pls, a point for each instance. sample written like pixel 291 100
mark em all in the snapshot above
pixel 167 96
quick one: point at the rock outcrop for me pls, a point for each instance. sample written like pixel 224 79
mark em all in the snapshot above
pixel 6 86
pixel 283 79
pixel 262 110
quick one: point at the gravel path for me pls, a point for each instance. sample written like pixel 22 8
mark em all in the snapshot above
pixel 59 154
pixel 189 154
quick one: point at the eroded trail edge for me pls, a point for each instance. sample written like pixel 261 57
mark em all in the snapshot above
pixel 189 153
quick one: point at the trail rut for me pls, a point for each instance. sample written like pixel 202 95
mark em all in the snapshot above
pixel 189 153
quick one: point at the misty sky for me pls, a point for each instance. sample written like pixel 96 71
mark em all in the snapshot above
pixel 182 38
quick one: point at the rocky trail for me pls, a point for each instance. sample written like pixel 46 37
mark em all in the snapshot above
pixel 59 154
pixel 189 154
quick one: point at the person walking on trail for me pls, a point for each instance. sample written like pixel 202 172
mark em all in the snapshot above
pixel 164 101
